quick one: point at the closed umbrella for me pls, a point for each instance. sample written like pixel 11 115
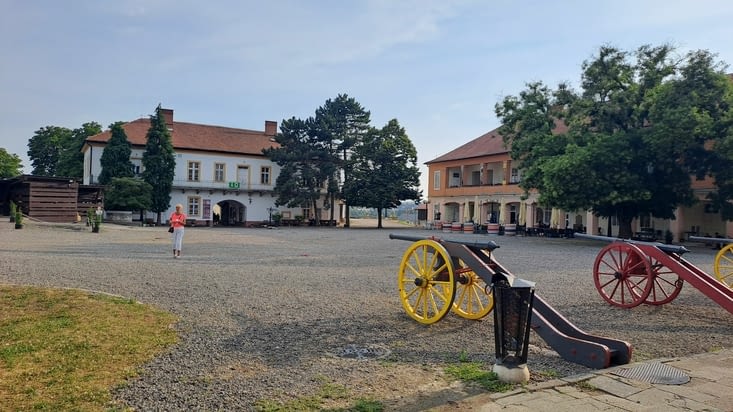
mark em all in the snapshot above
pixel 555 218
pixel 466 212
pixel 502 212
pixel 476 211
pixel 522 219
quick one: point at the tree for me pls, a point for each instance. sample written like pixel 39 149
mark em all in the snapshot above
pixel 306 164
pixel 128 193
pixel 115 160
pixel 71 158
pixel 159 163
pixel 44 149
pixel 384 170
pixel 10 165
pixel 635 133
pixel 341 124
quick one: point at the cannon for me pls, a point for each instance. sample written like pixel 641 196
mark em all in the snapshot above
pixel 441 275
pixel 628 273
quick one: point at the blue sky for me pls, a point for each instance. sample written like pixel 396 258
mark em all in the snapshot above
pixel 437 66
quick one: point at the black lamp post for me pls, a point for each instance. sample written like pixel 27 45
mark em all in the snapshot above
pixel 512 319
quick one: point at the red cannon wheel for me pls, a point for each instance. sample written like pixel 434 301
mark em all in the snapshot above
pixel 666 284
pixel 623 275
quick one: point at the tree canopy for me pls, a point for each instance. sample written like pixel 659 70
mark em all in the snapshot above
pixel 338 150
pixel 115 160
pixel 127 193
pixel 159 163
pixel 56 151
pixel 10 164
pixel 384 170
pixel 630 142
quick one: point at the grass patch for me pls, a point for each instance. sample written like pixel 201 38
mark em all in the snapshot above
pixel 327 392
pixel 66 349
pixel 474 372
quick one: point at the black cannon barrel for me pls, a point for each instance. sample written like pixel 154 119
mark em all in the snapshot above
pixel 490 245
pixel 661 246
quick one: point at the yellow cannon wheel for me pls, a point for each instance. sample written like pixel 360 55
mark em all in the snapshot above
pixel 426 281
pixel 474 299
pixel 724 265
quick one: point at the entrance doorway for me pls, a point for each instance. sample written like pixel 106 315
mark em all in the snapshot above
pixel 231 213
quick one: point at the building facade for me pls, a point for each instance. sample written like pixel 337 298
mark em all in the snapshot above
pixel 478 183
pixel 221 174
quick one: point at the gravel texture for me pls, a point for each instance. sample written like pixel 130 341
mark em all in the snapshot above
pixel 276 314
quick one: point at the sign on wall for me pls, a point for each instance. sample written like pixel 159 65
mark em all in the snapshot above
pixel 234 185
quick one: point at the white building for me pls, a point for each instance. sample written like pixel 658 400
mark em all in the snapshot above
pixel 219 170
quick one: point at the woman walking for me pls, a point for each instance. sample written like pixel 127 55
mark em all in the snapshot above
pixel 178 221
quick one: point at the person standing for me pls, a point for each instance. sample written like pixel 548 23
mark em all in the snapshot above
pixel 178 222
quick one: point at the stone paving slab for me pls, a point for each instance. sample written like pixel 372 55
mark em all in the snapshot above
pixel 710 389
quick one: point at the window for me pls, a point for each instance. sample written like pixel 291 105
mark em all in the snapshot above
pixel 514 178
pixel 219 172
pixel 265 175
pixel 193 171
pixel 194 206
pixel 436 180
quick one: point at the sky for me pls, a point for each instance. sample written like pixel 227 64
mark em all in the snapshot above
pixel 437 66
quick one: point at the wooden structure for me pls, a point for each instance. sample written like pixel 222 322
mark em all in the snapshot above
pixel 50 199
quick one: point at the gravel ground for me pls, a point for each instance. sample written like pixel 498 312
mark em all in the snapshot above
pixel 276 314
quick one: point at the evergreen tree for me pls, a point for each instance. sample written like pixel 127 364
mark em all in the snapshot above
pixel 115 160
pixel 341 124
pixel 159 163
pixel 306 164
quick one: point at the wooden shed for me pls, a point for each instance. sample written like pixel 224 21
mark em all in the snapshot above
pixel 51 199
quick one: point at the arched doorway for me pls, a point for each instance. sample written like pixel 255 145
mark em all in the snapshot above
pixel 231 213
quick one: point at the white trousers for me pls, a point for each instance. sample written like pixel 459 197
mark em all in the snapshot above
pixel 177 238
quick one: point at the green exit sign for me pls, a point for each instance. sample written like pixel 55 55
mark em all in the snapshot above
pixel 234 185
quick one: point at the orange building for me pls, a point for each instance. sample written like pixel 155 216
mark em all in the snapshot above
pixel 477 183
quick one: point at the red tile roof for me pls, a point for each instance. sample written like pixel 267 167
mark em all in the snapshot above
pixel 191 136
pixel 487 144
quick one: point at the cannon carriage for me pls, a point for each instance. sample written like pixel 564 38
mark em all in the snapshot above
pixel 441 275
pixel 628 273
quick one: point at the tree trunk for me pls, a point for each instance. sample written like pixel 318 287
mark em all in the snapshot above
pixel 316 218
pixel 379 218
pixel 624 227
pixel 157 221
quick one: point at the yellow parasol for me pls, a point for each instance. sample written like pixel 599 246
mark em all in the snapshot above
pixel 555 218
pixel 502 212
pixel 476 211
pixel 522 219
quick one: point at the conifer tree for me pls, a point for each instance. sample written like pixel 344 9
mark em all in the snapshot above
pixel 159 163
pixel 115 160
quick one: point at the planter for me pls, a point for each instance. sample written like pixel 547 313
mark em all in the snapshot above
pixel 18 225
pixel 95 229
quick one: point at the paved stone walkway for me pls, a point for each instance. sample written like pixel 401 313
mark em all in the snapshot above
pixel 710 388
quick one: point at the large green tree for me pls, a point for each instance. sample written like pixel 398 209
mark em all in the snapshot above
pixel 642 124
pixel 306 164
pixel 71 158
pixel 384 170
pixel 127 193
pixel 341 123
pixel 10 164
pixel 115 160
pixel 44 149
pixel 159 163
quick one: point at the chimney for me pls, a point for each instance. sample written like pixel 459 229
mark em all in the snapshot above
pixel 270 128
pixel 167 116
